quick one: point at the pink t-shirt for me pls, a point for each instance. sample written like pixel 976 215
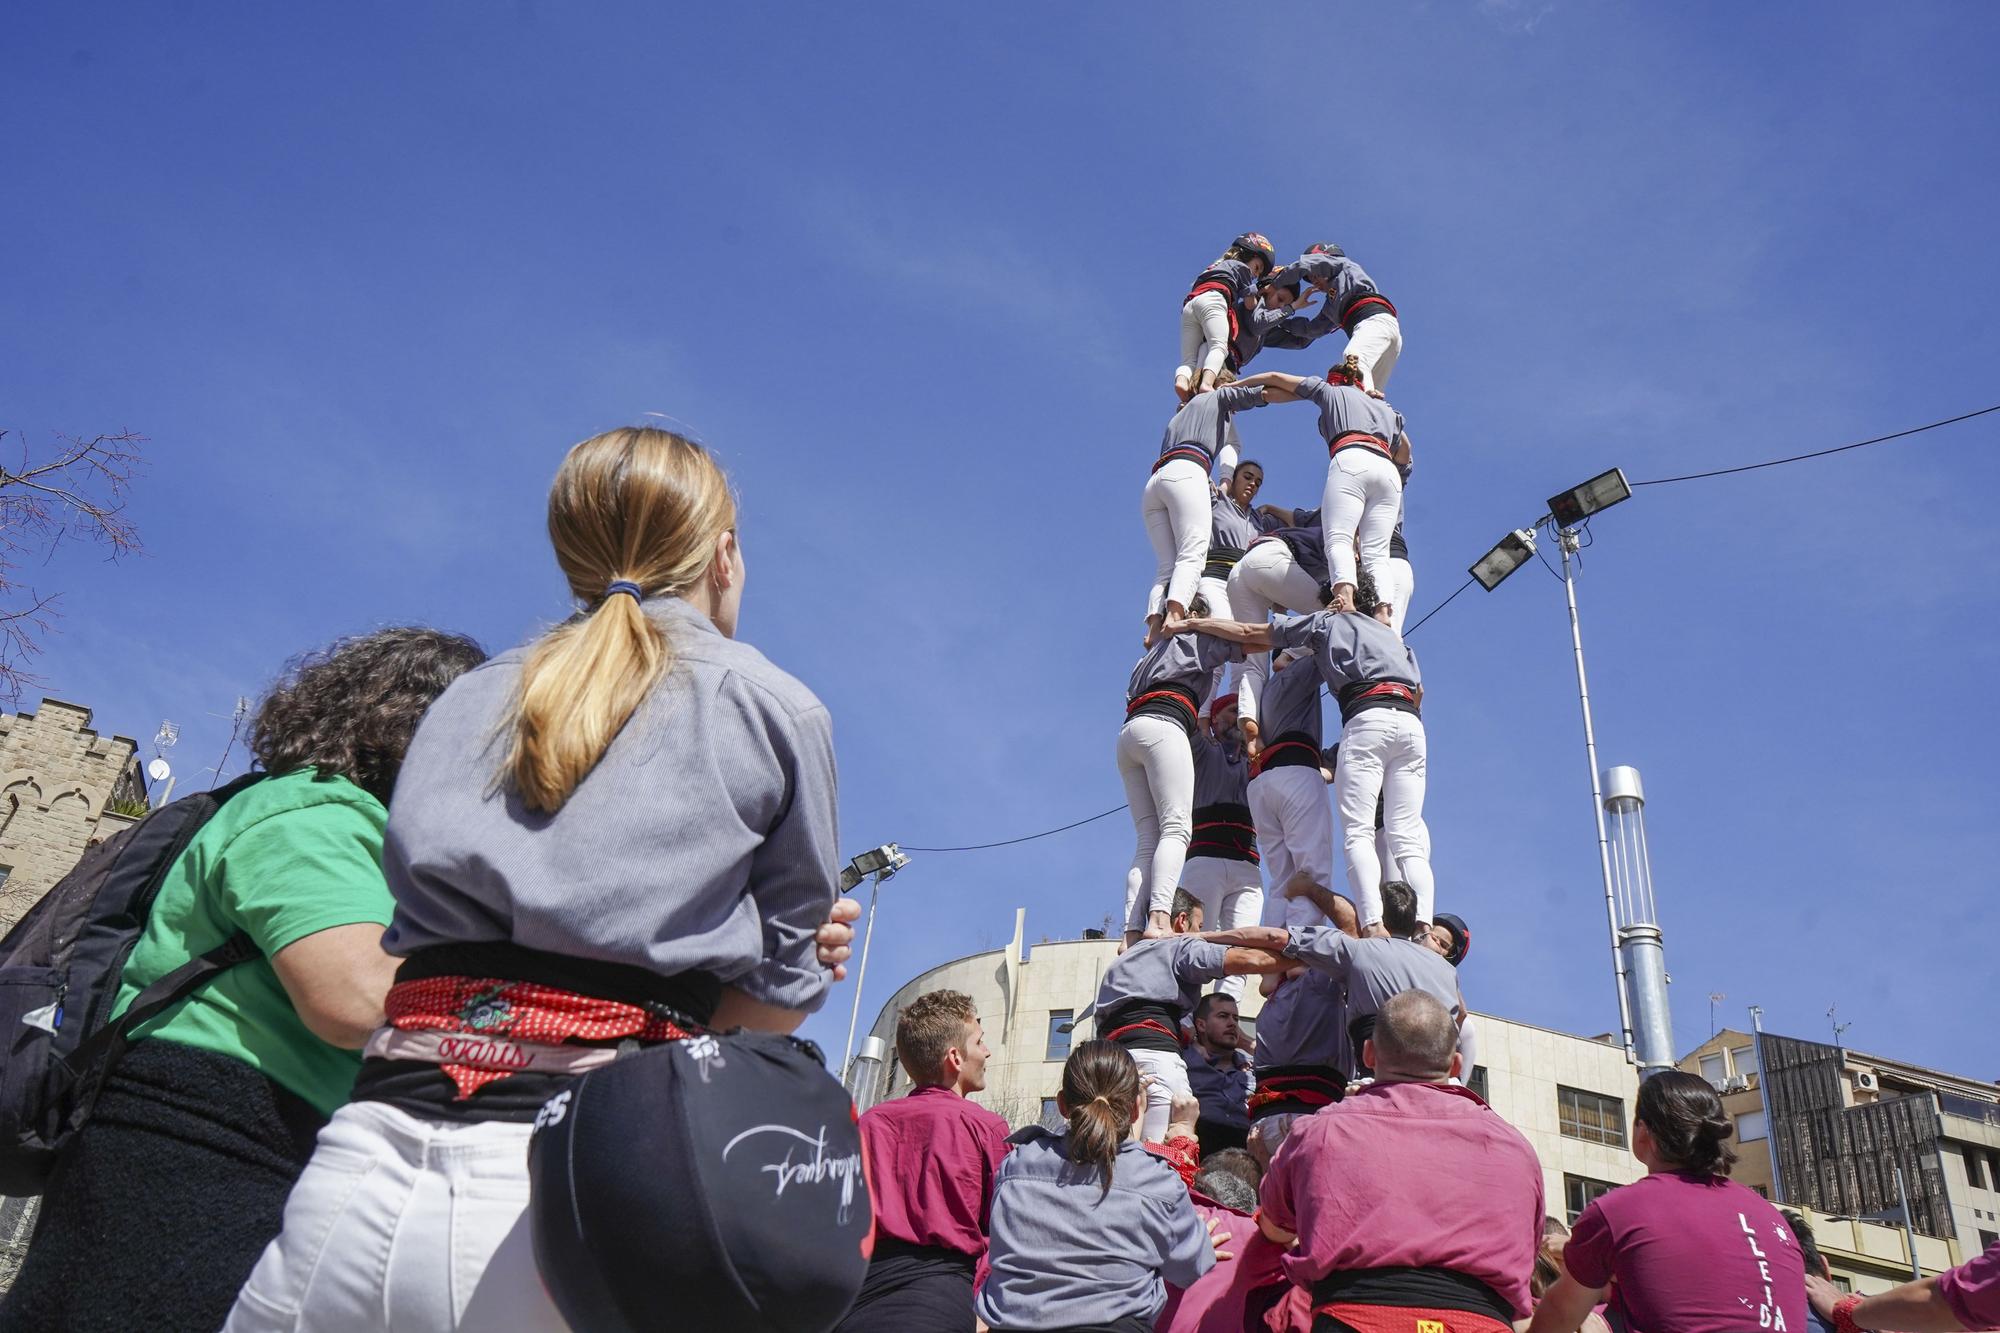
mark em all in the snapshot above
pixel 1691 1254
pixel 1416 1175
pixel 1972 1290
pixel 1218 1300
pixel 931 1159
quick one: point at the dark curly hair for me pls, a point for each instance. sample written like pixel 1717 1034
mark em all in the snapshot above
pixel 351 708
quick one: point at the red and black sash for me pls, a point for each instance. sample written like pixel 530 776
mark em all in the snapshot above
pixel 1291 749
pixel 1360 306
pixel 1169 699
pixel 1358 439
pixel 1224 831
pixel 1295 1090
pixel 1367 694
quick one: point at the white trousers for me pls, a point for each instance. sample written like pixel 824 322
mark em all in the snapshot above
pixel 1231 894
pixel 1382 754
pixel 1364 493
pixel 1376 343
pixel 1294 833
pixel 1401 582
pixel 1176 507
pixel 1158 769
pixel 1205 334
pixel 1165 1074
pixel 406 1226
pixel 1266 579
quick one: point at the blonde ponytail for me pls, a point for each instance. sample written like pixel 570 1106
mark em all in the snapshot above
pixel 1100 1087
pixel 638 505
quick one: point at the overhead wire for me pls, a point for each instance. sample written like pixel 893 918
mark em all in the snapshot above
pixel 1587 539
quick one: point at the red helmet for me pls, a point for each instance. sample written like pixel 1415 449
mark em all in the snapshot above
pixel 1326 248
pixel 1256 244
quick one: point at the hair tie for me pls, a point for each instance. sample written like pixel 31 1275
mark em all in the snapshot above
pixel 1101 1098
pixel 616 586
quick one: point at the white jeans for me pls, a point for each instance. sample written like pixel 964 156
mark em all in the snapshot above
pixel 1376 342
pixel 1166 1075
pixel 1294 833
pixel 1178 514
pixel 1363 495
pixel 1397 587
pixel 1158 769
pixel 1266 579
pixel 406 1226
pixel 1231 894
pixel 1382 754
pixel 1205 334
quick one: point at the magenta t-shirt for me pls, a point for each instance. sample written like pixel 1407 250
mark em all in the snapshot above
pixel 1691 1254
pixel 1972 1290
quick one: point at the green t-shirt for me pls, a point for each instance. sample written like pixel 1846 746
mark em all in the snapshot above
pixel 282 859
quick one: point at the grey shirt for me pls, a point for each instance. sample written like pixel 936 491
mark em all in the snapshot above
pixel 1287 330
pixel 1167 971
pixel 1344 409
pixel 1347 281
pixel 1305 1023
pixel 1348 648
pixel 1289 702
pixel 1234 527
pixel 704 839
pixel 1201 422
pixel 1221 777
pixel 1064 1253
pixel 1372 970
pixel 1187 659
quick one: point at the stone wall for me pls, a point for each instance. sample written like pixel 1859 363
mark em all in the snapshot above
pixel 57 778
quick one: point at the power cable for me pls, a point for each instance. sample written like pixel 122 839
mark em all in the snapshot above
pixel 1009 842
pixel 1819 453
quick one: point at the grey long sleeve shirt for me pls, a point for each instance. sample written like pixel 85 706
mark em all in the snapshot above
pixel 1344 409
pixel 1063 1253
pixel 704 839
pixel 1305 1023
pixel 1373 970
pixel 1201 422
pixel 1169 971
pixel 1348 648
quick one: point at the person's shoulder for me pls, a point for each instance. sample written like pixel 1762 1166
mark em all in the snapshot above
pixel 1142 1172
pixel 979 1117
pixel 303 790
pixel 746 670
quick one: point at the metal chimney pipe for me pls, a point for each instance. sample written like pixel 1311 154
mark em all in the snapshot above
pixel 1640 944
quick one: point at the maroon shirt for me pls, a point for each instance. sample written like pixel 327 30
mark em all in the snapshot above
pixel 1690 1254
pixel 1972 1290
pixel 931 1159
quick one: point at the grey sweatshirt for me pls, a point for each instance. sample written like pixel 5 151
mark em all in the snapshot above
pixel 1348 648
pixel 1344 409
pixel 1202 420
pixel 1372 970
pixel 1305 1023
pixel 1063 1253
pixel 704 839
pixel 1170 971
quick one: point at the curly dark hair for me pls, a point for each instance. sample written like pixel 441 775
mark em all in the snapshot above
pixel 351 708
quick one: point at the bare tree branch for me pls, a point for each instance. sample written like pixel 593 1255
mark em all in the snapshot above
pixel 76 492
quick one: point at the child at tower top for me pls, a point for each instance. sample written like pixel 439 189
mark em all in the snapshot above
pixel 1211 312
pixel 1374 335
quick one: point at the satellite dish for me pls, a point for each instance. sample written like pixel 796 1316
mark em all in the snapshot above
pixel 159 770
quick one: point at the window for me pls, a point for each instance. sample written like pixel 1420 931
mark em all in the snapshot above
pixel 1762 1192
pixel 1060 1021
pixel 1578 1191
pixel 1992 1158
pixel 1750 1127
pixel 1714 1070
pixel 1051 1117
pixel 1743 1060
pixel 1476 1081
pixel 1591 1117
pixel 4 872
pixel 1988 1239
pixel 1973 1174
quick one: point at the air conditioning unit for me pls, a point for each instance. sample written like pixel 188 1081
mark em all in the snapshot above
pixel 1736 1083
pixel 1865 1081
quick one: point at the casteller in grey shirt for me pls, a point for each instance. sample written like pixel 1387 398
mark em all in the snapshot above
pixel 703 840
pixel 1374 970
pixel 1063 1253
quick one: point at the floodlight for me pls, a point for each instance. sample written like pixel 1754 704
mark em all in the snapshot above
pixel 883 861
pixel 1580 502
pixel 1514 550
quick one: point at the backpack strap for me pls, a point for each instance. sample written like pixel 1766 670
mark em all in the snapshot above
pixel 108 1042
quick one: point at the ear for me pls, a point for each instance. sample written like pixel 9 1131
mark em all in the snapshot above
pixel 722 567
pixel 1457 1064
pixel 1368 1052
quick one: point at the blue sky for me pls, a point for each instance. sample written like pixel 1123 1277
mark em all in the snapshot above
pixel 363 272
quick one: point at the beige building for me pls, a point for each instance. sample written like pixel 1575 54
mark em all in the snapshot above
pixel 1828 1130
pixel 61 785
pixel 1571 1096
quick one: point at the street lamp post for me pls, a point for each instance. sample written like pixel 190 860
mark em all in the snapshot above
pixel 876 865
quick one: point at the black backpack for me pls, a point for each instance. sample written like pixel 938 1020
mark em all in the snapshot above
pixel 59 972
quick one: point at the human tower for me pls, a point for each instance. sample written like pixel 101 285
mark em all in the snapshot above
pixel 1252 610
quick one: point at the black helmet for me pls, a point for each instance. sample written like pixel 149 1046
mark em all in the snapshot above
pixel 1255 243
pixel 1287 276
pixel 1326 248
pixel 1461 937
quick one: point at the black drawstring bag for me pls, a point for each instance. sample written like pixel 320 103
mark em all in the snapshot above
pixel 715 1183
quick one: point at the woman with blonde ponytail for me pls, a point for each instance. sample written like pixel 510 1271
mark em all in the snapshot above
pixel 616 839
pixel 1088 1227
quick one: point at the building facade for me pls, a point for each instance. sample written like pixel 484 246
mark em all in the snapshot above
pixel 1852 1137
pixel 61 786
pixel 1572 1097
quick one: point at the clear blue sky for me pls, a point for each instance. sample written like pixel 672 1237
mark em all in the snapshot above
pixel 363 272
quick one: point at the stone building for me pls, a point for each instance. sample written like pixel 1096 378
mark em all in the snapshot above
pixel 61 785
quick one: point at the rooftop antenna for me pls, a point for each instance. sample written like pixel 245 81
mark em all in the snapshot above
pixel 1839 1028
pixel 236 717
pixel 1715 997
pixel 159 770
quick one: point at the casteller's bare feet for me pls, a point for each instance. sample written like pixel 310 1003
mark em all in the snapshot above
pixel 1378 931
pixel 1155 630
pixel 1267 985
pixel 1183 389
pixel 1382 614
pixel 1158 926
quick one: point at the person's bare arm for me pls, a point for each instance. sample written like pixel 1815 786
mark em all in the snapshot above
pixel 1271 939
pixel 1563 1309
pixel 1232 631
pixel 1278 387
pixel 1274 1233
pixel 1914 1307
pixel 337 980
pixel 1253 962
pixel 1333 906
